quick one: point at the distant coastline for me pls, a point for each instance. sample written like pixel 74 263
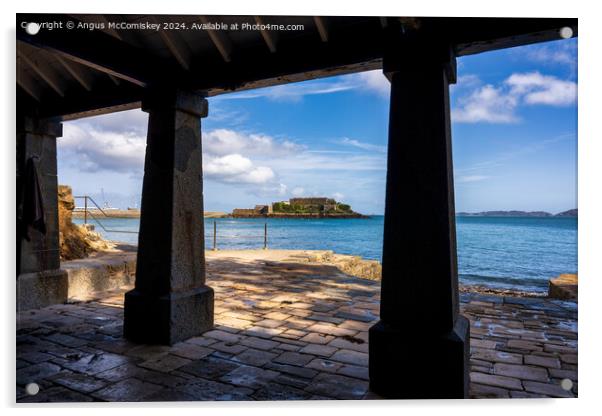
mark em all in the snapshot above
pixel 539 214
pixel 135 213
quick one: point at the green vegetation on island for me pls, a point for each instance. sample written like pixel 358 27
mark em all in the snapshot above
pixel 332 207
pixel 300 207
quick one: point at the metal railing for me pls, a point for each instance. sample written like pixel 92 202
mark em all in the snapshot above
pixel 265 236
pixel 89 213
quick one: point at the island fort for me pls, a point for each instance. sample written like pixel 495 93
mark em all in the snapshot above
pixel 320 207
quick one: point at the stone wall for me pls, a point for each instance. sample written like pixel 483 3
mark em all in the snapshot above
pixel 312 201
pixel 244 212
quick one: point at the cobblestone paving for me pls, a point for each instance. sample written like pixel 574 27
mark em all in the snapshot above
pixel 284 331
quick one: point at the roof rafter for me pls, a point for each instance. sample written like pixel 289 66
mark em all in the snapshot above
pixel 27 83
pixel 116 81
pixel 102 52
pixel 220 40
pixel 269 38
pixel 176 47
pixel 322 29
pixel 75 72
pixel 43 72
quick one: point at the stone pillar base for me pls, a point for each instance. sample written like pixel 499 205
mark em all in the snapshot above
pixel 170 318
pixel 40 289
pixel 409 365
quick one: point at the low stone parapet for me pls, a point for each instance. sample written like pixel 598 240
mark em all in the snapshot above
pixel 101 272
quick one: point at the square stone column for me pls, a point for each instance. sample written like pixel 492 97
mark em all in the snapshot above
pixel 170 301
pixel 40 281
pixel 420 347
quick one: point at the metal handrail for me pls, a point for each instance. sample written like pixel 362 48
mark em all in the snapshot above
pixel 86 213
pixel 86 197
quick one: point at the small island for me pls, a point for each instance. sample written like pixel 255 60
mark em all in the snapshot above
pixel 314 207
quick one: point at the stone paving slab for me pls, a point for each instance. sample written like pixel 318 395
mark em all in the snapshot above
pixel 284 330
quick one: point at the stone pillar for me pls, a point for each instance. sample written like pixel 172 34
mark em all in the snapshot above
pixel 420 347
pixel 170 301
pixel 40 281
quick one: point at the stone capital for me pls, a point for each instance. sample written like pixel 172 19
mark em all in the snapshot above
pixel 40 126
pixel 409 53
pixel 191 102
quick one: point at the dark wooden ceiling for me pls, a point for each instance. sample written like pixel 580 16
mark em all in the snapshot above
pixel 76 73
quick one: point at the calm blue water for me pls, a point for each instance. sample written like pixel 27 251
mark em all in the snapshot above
pixel 520 253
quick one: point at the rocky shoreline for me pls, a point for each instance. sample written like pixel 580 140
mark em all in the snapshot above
pixel 484 290
pixel 371 270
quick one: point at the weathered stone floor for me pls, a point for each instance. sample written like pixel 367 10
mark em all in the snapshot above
pixel 284 331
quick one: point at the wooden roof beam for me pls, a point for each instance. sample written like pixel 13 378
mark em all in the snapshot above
pixel 269 38
pixel 220 40
pixel 102 68
pixel 100 51
pixel 28 85
pixel 107 29
pixel 75 72
pixel 116 81
pixel 322 29
pixel 43 72
pixel 176 48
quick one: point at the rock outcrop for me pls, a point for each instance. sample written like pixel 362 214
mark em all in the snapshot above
pixel 351 265
pixel 75 241
pixel 564 287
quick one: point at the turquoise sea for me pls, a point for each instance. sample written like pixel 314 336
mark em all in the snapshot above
pixel 502 252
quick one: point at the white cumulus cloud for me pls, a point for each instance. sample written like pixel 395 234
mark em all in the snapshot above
pixel 94 150
pixel 225 141
pixel 374 81
pixel 536 88
pixel 499 104
pixel 488 104
pixel 235 168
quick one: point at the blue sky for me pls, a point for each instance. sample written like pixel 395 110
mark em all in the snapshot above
pixel 514 132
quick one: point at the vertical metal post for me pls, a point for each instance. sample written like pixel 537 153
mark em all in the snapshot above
pixel 265 236
pixel 214 235
pixel 85 209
